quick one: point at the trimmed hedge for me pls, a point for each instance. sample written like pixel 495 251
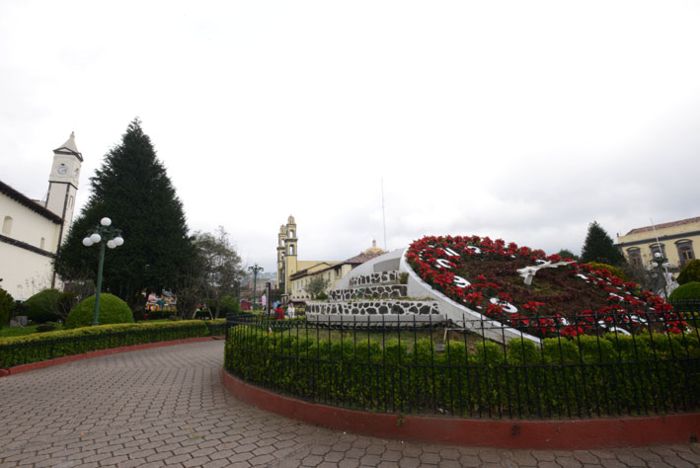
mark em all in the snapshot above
pixel 562 378
pixel 112 310
pixel 42 346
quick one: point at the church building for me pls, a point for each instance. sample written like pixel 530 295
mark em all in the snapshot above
pixel 293 275
pixel 31 231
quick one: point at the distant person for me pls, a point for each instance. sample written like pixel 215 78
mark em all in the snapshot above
pixel 290 311
pixel 279 312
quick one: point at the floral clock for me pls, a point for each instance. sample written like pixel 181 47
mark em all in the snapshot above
pixel 539 294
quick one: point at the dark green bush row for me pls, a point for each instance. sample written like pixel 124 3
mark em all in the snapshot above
pixel 562 378
pixel 39 347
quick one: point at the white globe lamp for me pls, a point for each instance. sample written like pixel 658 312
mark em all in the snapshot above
pixel 106 221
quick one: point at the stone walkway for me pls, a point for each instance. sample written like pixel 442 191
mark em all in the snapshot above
pixel 167 407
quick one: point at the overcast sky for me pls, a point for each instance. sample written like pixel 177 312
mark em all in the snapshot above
pixel 524 120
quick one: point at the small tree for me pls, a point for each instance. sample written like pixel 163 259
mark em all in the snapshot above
pixel 6 306
pixel 221 266
pixel 316 287
pixel 599 247
pixel 690 272
pixel 567 254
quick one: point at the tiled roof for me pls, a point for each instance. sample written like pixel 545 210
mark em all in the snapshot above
pixel 664 225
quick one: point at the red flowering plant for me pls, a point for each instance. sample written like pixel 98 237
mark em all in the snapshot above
pixel 539 294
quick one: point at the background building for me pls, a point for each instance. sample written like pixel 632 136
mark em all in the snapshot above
pixel 293 275
pixel 31 231
pixel 676 241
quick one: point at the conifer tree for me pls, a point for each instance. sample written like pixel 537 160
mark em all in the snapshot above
pixel 133 189
pixel 599 247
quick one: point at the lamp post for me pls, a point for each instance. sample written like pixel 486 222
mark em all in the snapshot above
pixel 255 269
pixel 662 271
pixel 99 236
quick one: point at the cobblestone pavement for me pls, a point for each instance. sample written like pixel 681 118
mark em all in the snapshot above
pixel 167 407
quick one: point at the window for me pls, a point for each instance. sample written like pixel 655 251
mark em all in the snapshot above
pixel 7 225
pixel 685 251
pixel 291 249
pixel 657 248
pixel 635 256
pixel 291 233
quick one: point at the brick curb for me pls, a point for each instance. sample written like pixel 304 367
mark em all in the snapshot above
pixel 509 434
pixel 97 353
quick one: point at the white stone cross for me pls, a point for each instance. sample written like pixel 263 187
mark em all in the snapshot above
pixel 529 272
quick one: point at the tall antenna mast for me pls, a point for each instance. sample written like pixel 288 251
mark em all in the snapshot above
pixel 383 214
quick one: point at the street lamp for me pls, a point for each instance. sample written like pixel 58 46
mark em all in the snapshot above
pixel 255 269
pixel 100 235
pixel 662 271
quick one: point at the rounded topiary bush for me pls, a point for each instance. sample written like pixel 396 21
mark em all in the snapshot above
pixel 686 292
pixel 690 272
pixel 43 306
pixel 112 310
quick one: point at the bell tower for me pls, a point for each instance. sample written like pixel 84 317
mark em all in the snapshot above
pixel 290 256
pixel 63 183
pixel 281 236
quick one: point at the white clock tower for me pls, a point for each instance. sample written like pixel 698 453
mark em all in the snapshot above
pixel 63 183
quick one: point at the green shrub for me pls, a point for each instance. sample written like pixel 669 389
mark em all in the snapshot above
pixel 690 272
pixel 42 346
pixel 112 310
pixel 6 306
pixel 585 376
pixel 43 306
pixel 229 305
pixel 686 292
pixel 617 271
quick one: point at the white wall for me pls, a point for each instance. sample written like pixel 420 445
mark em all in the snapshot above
pixel 25 272
pixel 28 226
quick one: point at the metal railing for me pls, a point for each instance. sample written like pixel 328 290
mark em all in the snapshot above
pixel 620 368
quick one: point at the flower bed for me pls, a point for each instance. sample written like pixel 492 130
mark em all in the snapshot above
pixel 563 297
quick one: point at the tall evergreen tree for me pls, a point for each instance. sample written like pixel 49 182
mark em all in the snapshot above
pixel 133 189
pixel 599 247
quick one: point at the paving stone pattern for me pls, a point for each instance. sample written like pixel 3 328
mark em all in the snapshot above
pixel 167 407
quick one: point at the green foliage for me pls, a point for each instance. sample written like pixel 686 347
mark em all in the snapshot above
pixel 133 189
pixel 567 254
pixel 229 305
pixel 617 271
pixel 112 310
pixel 586 376
pixel 6 306
pixel 317 286
pixel 43 306
pixel 686 292
pixel 690 272
pixel 599 247
pixel 42 346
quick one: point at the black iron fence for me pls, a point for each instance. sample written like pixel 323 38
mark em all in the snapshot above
pixel 623 367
